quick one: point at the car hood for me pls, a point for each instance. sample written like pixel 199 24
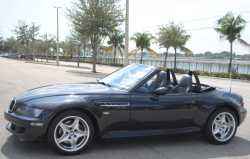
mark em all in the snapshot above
pixel 66 89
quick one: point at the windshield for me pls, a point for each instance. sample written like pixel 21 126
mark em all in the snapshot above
pixel 126 77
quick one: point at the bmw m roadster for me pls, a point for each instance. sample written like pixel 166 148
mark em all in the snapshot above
pixel 136 100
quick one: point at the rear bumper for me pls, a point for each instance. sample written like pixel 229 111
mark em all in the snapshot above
pixel 23 127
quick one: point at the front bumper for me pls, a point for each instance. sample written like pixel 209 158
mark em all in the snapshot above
pixel 26 128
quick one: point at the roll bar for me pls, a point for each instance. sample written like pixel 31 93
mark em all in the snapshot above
pixel 170 70
pixel 198 84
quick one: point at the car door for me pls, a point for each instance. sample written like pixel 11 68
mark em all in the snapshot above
pixel 171 111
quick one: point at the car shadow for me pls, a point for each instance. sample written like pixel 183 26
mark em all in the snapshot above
pixel 171 146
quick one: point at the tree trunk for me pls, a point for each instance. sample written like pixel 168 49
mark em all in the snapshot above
pixel 166 55
pixel 114 54
pixel 231 53
pixel 71 53
pixel 78 58
pixel 175 58
pixel 94 54
pixel 84 53
pixel 141 55
pixel 27 52
pixel 41 57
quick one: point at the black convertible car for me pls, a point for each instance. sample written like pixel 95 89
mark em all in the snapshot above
pixel 136 100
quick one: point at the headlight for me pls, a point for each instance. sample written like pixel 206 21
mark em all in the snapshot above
pixel 28 111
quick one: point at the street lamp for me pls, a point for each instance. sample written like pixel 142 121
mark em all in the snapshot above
pixel 57 55
pixel 33 42
pixel 126 33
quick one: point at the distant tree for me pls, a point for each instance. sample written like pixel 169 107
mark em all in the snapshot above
pixel 116 43
pixel 164 40
pixel 41 47
pixel 142 41
pixel 11 44
pixel 48 43
pixel 25 33
pixel 95 19
pixel 230 29
pixel 80 42
pixel 179 39
pixel 70 45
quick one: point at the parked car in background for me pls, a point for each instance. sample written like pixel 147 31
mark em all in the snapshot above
pixel 30 57
pixel 5 55
pixel 13 56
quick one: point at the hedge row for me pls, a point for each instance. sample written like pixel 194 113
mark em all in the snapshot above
pixel 213 74
pixel 88 61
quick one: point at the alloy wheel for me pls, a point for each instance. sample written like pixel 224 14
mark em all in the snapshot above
pixel 223 126
pixel 71 133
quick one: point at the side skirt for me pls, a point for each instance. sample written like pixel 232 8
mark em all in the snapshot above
pixel 121 134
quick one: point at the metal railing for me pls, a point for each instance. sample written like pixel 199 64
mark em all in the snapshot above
pixel 192 65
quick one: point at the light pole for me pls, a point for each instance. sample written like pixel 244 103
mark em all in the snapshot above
pixel 33 41
pixel 126 33
pixel 57 54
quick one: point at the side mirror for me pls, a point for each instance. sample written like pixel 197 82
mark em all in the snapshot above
pixel 161 91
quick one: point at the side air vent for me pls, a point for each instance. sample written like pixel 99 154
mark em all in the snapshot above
pixel 114 104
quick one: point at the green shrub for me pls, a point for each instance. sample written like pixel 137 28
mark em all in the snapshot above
pixel 224 74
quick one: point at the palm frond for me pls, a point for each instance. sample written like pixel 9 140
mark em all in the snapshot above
pixel 120 50
pixel 244 43
pixel 134 52
pixel 186 51
pixel 222 37
pixel 150 51
pixel 108 49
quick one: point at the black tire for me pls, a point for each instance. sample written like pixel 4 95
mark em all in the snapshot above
pixel 66 117
pixel 210 125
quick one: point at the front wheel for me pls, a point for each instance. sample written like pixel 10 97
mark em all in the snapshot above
pixel 70 133
pixel 221 127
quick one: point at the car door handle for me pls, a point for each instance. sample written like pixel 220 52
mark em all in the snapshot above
pixel 189 102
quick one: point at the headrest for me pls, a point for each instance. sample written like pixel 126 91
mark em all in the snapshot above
pixel 162 76
pixel 186 80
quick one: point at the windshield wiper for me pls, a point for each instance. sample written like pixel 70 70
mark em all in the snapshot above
pixel 104 83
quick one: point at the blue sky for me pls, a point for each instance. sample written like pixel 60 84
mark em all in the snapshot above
pixel 144 15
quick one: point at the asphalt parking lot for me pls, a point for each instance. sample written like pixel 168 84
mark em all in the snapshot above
pixel 18 76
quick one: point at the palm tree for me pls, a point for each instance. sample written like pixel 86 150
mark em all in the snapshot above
pixel 115 42
pixel 179 39
pixel 230 29
pixel 142 41
pixel 164 40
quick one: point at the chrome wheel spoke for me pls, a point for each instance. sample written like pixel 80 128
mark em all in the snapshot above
pixel 222 134
pixel 228 125
pixel 81 134
pixel 216 131
pixel 63 138
pixel 222 119
pixel 75 124
pixel 73 143
pixel 65 128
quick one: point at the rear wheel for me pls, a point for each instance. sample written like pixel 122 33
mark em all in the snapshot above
pixel 70 133
pixel 221 127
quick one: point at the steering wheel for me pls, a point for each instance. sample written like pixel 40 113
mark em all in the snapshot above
pixel 146 85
